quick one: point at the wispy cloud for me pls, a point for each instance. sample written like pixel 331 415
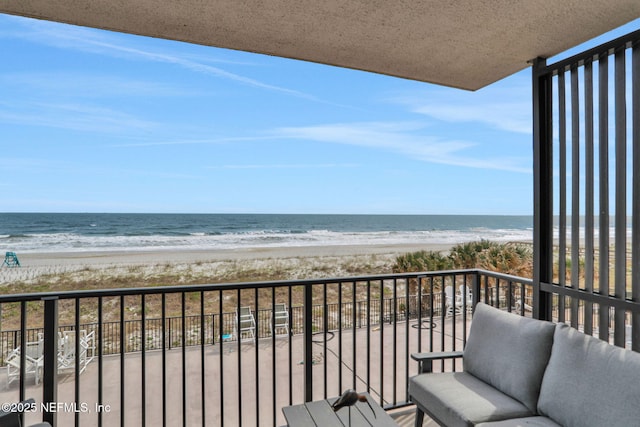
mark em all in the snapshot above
pixel 499 107
pixel 70 84
pixel 289 166
pixel 87 40
pixel 205 141
pixel 72 116
pixel 405 138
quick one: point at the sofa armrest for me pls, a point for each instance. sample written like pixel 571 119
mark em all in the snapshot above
pixel 425 360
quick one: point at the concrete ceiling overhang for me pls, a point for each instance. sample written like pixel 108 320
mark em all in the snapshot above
pixel 466 44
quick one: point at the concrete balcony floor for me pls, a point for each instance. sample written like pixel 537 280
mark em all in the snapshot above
pixel 245 356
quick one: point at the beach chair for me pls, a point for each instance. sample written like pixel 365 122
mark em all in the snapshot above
pixel 466 297
pixel 453 301
pixel 34 361
pixel 280 319
pixel 11 260
pixel 67 350
pixel 245 324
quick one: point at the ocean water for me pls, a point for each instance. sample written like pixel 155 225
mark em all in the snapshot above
pixel 71 232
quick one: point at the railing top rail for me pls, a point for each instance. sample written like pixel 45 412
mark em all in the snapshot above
pixel 246 285
pixel 504 276
pixel 605 49
pixel 228 286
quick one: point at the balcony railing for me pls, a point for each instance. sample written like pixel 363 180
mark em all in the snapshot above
pixel 172 355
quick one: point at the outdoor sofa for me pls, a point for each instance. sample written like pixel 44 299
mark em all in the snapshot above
pixel 520 371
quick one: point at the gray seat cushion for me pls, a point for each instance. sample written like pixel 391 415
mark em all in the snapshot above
pixel 510 352
pixel 590 383
pixel 460 399
pixel 522 422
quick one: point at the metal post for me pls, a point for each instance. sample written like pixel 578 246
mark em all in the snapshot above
pixel 308 343
pixel 542 189
pixel 50 367
pixel 476 290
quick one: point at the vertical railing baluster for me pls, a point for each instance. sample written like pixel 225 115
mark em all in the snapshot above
pixel 381 349
pixel 143 361
pixel 221 361
pixel 453 314
pixel 443 313
pixel 184 357
pixel 256 352
pixel 419 279
pixel 100 347
pixel 23 347
pixel 122 365
pixel 431 312
pixel 50 364
pixel 290 344
pixel 368 309
pixel 354 321
pixel 465 285
pixel 325 327
pixel 395 340
pixel 407 285
pixel 203 376
pixel 273 353
pixel 340 323
pixel 163 315
pixel 238 329
pixel 308 343
pixel 77 361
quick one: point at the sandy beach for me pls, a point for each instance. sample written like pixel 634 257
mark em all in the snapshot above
pixel 295 262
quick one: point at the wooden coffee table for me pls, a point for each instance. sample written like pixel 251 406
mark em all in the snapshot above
pixel 320 413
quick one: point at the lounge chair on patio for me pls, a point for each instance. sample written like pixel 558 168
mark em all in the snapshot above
pixel 34 361
pixel 67 350
pixel 280 319
pixel 466 297
pixel 245 324
pixel 527 307
pixel 452 301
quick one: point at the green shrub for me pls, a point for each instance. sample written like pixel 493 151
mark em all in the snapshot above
pixel 422 261
pixel 509 258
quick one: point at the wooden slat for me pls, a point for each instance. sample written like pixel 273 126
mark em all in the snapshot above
pixel 322 414
pixel 297 415
pixel 380 415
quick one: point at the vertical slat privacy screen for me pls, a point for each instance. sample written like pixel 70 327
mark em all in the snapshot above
pixel 595 153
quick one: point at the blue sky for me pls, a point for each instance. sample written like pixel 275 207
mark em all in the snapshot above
pixel 95 121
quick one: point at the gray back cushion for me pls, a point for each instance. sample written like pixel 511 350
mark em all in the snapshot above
pixel 510 352
pixel 590 383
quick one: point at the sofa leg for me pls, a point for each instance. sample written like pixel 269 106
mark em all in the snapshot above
pixel 419 417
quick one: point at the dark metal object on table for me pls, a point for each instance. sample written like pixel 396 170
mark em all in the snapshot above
pixel 349 398
pixel 326 413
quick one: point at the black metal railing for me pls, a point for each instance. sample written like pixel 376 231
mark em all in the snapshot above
pixel 171 356
pixel 170 336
